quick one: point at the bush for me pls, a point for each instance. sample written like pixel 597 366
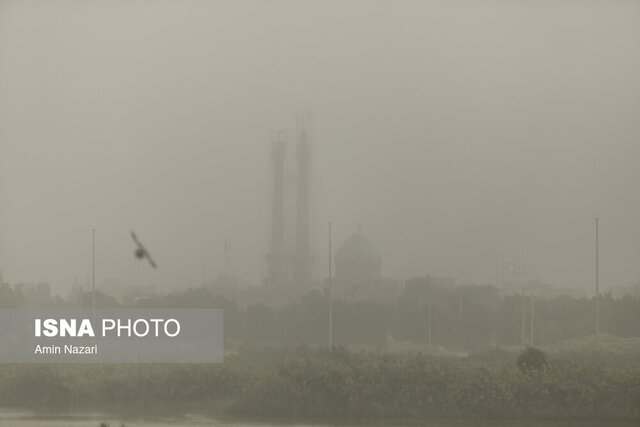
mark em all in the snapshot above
pixel 335 384
pixel 532 359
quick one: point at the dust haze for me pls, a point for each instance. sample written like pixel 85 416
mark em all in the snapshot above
pixel 453 131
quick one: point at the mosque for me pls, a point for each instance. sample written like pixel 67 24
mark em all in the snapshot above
pixel 358 271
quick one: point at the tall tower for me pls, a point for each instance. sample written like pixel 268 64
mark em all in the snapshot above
pixel 290 260
pixel 303 260
pixel 277 258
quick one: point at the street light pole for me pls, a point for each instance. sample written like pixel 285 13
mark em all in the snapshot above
pixel 93 273
pixel 429 311
pixel 330 296
pixel 597 291
pixel 523 321
pixel 532 321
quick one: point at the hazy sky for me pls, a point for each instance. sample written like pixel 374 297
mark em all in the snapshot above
pixel 453 130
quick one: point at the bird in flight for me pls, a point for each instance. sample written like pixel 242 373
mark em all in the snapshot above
pixel 141 251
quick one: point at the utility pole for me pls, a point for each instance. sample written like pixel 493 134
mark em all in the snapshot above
pixel 330 296
pixel 597 293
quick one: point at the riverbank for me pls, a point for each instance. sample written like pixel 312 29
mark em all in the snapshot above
pixel 83 419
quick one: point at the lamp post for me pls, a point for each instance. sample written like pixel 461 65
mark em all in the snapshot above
pixel 93 271
pixel 93 274
pixel 597 291
pixel 429 311
pixel 330 296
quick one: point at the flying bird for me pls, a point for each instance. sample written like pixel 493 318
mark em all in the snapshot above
pixel 141 252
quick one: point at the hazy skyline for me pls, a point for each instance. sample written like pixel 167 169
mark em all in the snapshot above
pixel 454 131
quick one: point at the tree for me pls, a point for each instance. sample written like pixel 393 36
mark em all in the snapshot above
pixel 532 360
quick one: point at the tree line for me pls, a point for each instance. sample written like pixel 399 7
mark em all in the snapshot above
pixel 458 318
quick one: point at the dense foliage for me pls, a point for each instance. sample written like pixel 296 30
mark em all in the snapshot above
pixel 337 384
pixel 532 359
pixel 461 318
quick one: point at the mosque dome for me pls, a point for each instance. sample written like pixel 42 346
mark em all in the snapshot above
pixel 358 260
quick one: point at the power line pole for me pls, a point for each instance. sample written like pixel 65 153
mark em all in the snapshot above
pixel 597 292
pixel 330 296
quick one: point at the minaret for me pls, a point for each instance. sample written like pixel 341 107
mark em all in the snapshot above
pixel 276 258
pixel 303 259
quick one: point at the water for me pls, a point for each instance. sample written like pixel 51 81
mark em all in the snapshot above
pixel 30 419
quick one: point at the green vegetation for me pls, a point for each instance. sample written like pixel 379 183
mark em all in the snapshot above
pixel 336 384
pixel 493 382
pixel 532 360
pixel 463 318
